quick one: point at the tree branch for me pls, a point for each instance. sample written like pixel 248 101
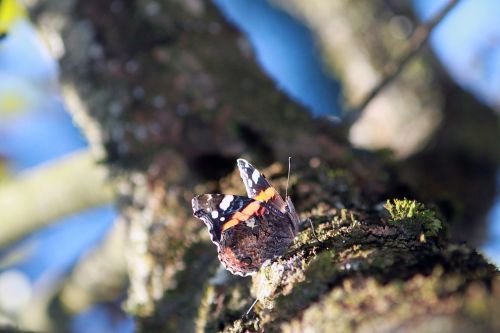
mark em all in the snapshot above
pixel 40 196
pixel 392 70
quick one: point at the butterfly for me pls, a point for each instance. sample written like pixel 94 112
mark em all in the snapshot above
pixel 248 230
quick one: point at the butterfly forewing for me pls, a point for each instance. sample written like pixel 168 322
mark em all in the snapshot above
pixel 258 187
pixel 223 211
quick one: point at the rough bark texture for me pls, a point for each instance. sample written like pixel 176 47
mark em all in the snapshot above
pixel 169 94
pixel 367 269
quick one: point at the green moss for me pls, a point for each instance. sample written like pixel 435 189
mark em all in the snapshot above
pixel 414 216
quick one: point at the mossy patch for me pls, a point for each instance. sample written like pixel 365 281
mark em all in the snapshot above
pixel 414 217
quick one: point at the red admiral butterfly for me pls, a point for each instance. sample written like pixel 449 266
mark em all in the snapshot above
pixel 248 230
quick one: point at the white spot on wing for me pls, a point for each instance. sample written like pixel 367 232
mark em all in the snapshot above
pixel 224 204
pixel 243 161
pixel 250 223
pixel 215 214
pixel 255 176
pixel 222 219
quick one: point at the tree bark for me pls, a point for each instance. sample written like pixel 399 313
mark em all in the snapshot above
pixel 168 92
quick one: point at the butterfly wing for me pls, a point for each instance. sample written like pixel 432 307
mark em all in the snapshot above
pixel 246 232
pixel 223 211
pixel 258 187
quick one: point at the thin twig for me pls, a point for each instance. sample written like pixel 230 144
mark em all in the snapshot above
pixel 392 70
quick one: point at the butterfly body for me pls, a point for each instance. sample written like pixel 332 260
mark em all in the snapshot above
pixel 248 230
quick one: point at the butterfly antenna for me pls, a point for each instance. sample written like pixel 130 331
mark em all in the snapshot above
pixel 288 178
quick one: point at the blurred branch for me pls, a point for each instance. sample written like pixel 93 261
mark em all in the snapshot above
pixel 47 193
pixel 356 40
pixel 392 70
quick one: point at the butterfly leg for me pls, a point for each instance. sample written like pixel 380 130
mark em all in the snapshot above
pixel 250 308
pixel 312 229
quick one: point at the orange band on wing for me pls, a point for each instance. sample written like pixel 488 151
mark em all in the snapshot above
pixel 229 224
pixel 265 195
pixel 253 208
